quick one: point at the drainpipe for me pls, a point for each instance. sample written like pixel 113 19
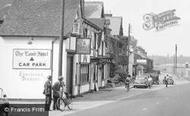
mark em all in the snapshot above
pixel 52 47
pixel 61 41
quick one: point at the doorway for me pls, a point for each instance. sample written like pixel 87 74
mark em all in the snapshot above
pixel 69 79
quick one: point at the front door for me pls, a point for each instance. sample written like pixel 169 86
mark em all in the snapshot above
pixel 69 81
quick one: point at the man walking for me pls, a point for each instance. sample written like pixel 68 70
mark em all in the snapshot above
pixel 149 81
pixel 56 91
pixel 166 81
pixel 127 82
pixel 48 93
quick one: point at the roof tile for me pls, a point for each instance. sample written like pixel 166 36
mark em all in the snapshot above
pixel 39 17
pixel 93 9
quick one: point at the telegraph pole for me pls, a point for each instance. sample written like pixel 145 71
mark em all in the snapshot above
pixel 175 60
pixel 61 40
pixel 128 51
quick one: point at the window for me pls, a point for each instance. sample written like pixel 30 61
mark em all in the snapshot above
pixel 84 74
pixel 102 66
pixel 89 34
pixel 85 32
pixel 1 20
pixel 76 28
pixel 95 37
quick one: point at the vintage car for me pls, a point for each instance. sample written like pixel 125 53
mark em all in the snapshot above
pixel 141 82
pixel 170 81
pixel 155 76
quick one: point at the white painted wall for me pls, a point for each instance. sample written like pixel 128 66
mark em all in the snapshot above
pixel 84 88
pixel 12 81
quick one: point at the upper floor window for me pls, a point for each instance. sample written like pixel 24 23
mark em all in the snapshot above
pixel 85 32
pixel 95 37
pixel 1 20
pixel 76 28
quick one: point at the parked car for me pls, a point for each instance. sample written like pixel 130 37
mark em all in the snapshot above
pixel 141 82
pixel 170 81
pixel 155 76
pixel 150 82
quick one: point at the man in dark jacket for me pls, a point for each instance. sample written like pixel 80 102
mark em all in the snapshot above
pixel 127 82
pixel 48 93
pixel 56 91
pixel 166 80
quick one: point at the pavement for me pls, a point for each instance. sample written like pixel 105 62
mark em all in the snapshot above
pixel 107 96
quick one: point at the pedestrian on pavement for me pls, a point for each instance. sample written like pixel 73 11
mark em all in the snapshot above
pixel 149 81
pixel 57 91
pixel 48 93
pixel 127 82
pixel 166 81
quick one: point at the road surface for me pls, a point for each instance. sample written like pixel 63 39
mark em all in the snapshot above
pixel 171 101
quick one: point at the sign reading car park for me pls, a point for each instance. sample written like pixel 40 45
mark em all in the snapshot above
pixel 31 59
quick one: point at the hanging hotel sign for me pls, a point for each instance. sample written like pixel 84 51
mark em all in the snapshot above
pixel 160 21
pixel 31 59
pixel 83 46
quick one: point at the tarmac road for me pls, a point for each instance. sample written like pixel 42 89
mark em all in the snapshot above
pixel 172 101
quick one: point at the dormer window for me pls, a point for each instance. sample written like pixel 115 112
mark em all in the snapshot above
pixel 76 25
pixel 76 28
pixel 85 32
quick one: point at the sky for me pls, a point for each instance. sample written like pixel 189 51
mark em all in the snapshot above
pixel 154 42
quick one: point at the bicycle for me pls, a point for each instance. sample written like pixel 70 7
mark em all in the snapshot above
pixel 64 101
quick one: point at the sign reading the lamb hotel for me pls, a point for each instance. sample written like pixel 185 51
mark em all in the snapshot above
pixel 160 21
pixel 31 59
pixel 83 46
